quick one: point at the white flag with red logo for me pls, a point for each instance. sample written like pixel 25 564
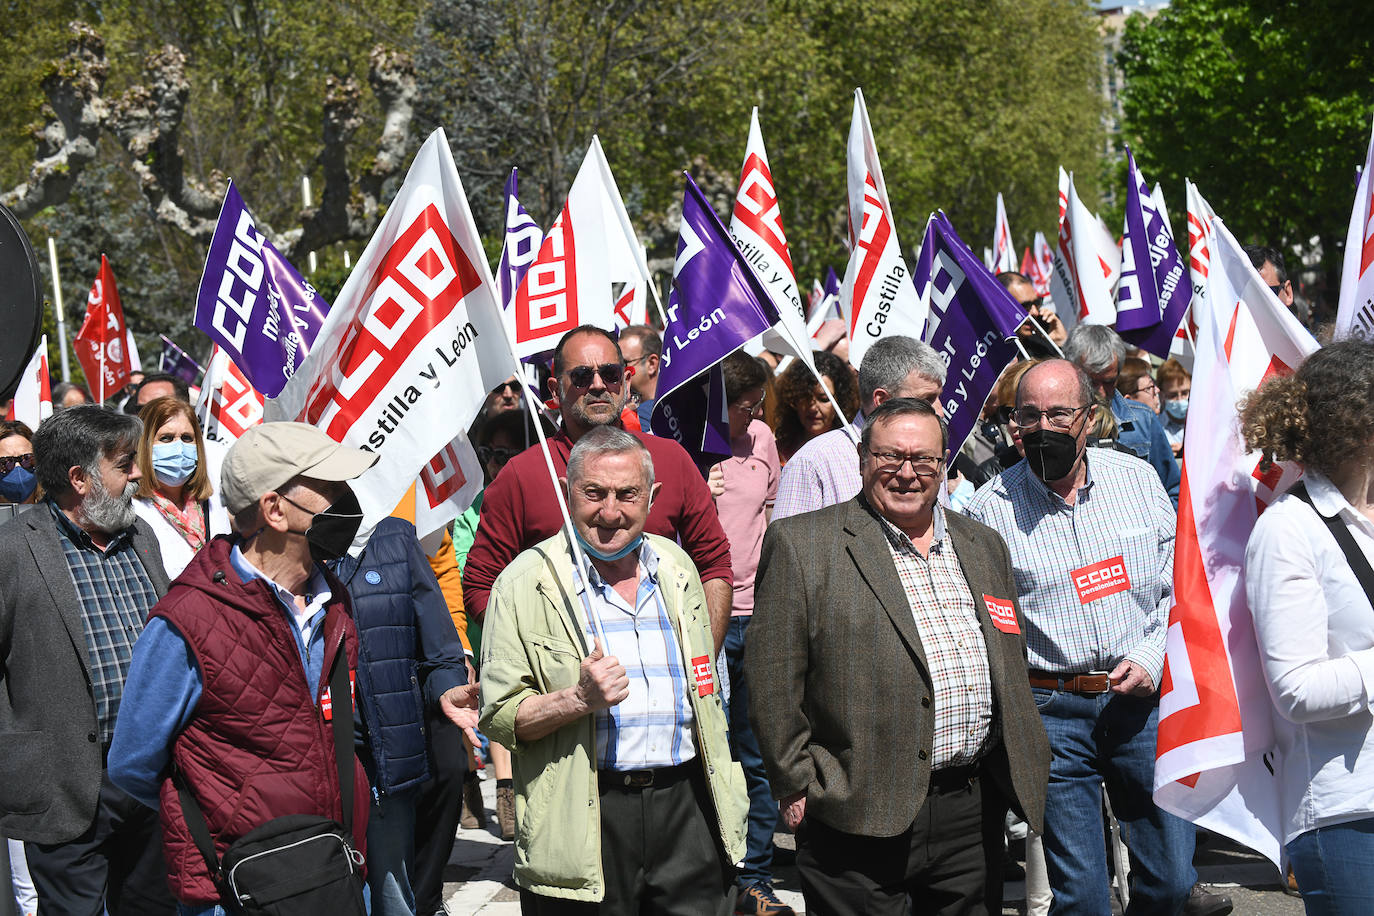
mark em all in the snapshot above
pixel 1355 315
pixel 1082 269
pixel 228 404
pixel 102 344
pixel 1215 724
pixel 32 402
pixel 414 341
pixel 569 284
pixel 756 227
pixel 448 484
pixel 1003 254
pixel 877 295
pixel 1201 244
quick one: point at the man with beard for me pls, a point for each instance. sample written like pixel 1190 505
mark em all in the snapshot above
pixel 520 507
pixel 77 578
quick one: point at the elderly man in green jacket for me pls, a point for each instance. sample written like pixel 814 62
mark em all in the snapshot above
pixel 602 683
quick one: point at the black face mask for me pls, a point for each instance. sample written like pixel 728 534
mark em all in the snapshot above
pixel 331 532
pixel 1051 454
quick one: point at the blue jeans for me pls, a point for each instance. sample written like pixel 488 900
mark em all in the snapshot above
pixel 391 854
pixel 763 810
pixel 1109 740
pixel 1334 866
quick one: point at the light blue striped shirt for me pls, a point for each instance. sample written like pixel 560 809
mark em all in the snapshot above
pixel 1121 512
pixel 652 727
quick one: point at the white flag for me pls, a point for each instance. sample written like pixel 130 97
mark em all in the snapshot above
pixel 1355 316
pixel 1003 255
pixel 877 294
pixel 447 486
pixel 1157 195
pixel 627 264
pixel 228 403
pixel 32 402
pixel 414 340
pixel 1201 245
pixel 1079 284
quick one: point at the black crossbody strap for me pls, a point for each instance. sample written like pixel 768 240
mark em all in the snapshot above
pixel 1354 556
pixel 195 822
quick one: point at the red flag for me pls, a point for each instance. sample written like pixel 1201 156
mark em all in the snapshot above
pixel 102 343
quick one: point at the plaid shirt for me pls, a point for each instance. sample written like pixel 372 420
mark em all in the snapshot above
pixel 823 472
pixel 1121 512
pixel 955 652
pixel 652 727
pixel 116 595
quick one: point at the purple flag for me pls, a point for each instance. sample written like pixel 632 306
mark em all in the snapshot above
pixel 177 362
pixel 253 303
pixel 520 248
pixel 972 321
pixel 832 284
pixel 1155 289
pixel 716 306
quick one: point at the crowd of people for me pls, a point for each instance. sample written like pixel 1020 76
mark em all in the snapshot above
pixel 901 655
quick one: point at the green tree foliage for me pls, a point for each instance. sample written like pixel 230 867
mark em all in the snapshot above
pixel 1264 104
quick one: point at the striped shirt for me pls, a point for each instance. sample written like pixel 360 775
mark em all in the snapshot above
pixel 1084 612
pixel 956 655
pixel 652 727
pixel 116 595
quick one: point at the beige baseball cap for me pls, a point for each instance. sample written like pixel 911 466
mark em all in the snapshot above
pixel 270 454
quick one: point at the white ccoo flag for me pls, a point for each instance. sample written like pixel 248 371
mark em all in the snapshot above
pixel 1003 254
pixel 1355 316
pixel 32 403
pixel 1082 270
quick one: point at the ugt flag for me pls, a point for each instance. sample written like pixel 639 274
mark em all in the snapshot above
pixel 1215 724
pixel 972 319
pixel 1153 293
pixel 877 295
pixel 176 361
pixel 756 226
pixel 1355 315
pixel 716 306
pixel 228 403
pixel 253 303
pixel 32 402
pixel 414 341
pixel 103 343
pixel 1003 254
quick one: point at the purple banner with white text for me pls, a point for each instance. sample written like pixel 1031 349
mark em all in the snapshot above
pixel 1154 290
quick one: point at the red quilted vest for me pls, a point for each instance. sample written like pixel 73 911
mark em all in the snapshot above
pixel 257 746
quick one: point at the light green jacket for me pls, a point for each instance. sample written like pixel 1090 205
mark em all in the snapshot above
pixel 533 644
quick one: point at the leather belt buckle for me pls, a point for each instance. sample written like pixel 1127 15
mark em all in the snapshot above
pixel 638 779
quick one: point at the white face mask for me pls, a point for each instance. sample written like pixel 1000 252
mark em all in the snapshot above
pixel 1178 409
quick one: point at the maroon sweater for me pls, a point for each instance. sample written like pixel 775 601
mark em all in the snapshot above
pixel 520 509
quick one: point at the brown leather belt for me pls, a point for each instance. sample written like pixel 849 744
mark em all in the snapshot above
pixel 1087 685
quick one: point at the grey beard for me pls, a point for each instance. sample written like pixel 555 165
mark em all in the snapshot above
pixel 110 514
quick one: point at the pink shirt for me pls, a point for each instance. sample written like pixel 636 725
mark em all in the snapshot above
pixel 751 486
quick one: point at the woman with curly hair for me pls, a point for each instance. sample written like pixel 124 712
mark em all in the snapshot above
pixel 803 411
pixel 1311 592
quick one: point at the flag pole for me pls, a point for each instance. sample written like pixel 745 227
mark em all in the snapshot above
pixel 1044 333
pixel 846 423
pixel 57 306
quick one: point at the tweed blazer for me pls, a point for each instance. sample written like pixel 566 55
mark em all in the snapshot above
pixel 51 764
pixel 841 698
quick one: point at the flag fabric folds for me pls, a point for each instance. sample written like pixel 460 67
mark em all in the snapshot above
pixel 1003 254
pixel 1355 313
pixel 1153 294
pixel 176 361
pixel 102 343
pixel 877 296
pixel 1083 268
pixel 1215 724
pixel 253 303
pixel 716 306
pixel 228 403
pixel 32 402
pixel 1044 265
pixel 520 244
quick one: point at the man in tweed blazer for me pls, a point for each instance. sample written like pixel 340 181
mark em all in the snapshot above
pixel 889 694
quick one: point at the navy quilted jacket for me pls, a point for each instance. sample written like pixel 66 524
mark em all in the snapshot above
pixel 408 652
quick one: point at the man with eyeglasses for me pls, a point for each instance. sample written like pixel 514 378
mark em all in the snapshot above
pixel 520 507
pixel 1091 535
pixel 642 348
pixel 888 687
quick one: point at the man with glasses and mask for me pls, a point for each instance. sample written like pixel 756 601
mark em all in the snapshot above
pixel 520 507
pixel 888 687
pixel 1091 535
pixel 78 575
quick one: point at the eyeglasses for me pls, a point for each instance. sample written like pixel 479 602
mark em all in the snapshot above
pixel 488 453
pixel 746 407
pixel 8 462
pixel 921 465
pixel 1276 290
pixel 1149 385
pixel 512 386
pixel 1059 417
pixel 581 376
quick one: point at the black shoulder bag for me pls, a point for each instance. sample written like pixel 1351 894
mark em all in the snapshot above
pixel 298 864
pixel 1354 556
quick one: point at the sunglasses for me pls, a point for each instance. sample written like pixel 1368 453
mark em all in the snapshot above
pixel 488 453
pixel 24 461
pixel 581 376
pixel 512 386
pixel 1035 303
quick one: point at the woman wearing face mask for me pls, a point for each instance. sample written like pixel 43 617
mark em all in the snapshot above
pixel 175 494
pixel 17 481
pixel 1175 384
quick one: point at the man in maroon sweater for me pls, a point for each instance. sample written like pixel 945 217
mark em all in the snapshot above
pixel 520 507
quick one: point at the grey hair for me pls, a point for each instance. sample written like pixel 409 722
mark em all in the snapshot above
pixel 607 440
pixel 889 361
pixel 1094 346
pixel 901 407
pixel 80 437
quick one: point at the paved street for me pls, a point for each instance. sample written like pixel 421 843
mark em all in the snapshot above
pixel 478 877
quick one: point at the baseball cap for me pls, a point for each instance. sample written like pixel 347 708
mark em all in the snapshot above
pixel 269 454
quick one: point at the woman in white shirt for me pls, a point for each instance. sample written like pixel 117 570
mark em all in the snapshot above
pixel 1314 621
pixel 175 495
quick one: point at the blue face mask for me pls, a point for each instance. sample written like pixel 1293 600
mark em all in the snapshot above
pixel 174 462
pixel 1177 409
pixel 610 557
pixel 18 485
